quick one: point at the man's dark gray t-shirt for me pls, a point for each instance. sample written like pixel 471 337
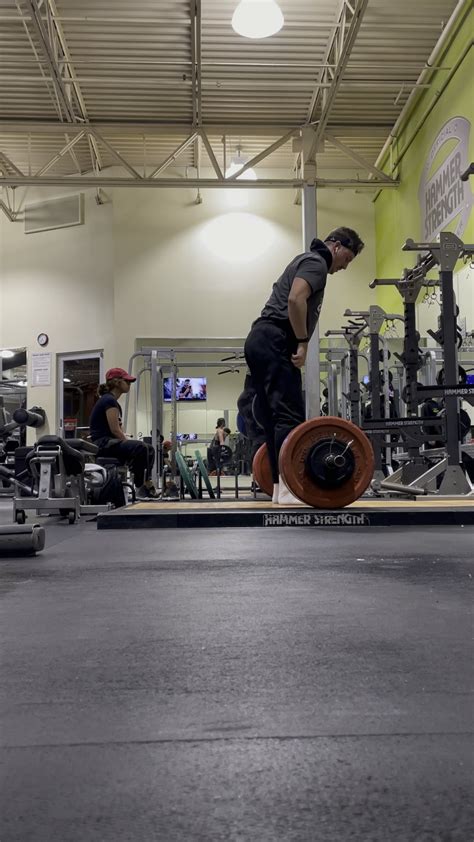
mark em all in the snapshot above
pixel 312 266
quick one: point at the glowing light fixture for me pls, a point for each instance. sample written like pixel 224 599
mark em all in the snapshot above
pixel 6 355
pixel 66 380
pixel 257 18
pixel 238 237
pixel 236 164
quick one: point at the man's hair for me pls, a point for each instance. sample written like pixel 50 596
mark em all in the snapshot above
pixel 346 237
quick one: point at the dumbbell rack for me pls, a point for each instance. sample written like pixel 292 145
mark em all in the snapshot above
pixel 415 475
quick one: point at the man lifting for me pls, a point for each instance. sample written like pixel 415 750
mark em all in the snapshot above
pixel 276 347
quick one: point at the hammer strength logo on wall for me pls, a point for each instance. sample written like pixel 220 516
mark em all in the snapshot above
pixel 442 195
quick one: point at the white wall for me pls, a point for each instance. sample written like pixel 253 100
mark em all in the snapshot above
pixel 61 283
pixel 153 263
pixel 207 270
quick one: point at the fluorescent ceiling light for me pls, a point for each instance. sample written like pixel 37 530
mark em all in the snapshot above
pixel 6 354
pixel 257 18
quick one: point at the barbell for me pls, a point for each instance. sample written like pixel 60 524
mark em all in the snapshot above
pixel 326 463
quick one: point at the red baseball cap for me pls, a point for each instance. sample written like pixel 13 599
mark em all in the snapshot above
pixel 120 374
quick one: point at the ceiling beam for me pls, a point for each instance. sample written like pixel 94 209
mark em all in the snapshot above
pixel 359 159
pixel 211 155
pixel 338 54
pixel 121 160
pixel 57 80
pixel 262 155
pixel 185 128
pixel 70 72
pixel 67 148
pixel 8 213
pixel 261 184
pixel 55 50
pixel 169 160
pixel 196 62
pixel 7 166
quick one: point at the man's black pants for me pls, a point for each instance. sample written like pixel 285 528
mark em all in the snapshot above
pixel 268 349
pixel 139 456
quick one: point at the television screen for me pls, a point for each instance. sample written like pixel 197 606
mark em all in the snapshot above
pixel 470 380
pixel 187 388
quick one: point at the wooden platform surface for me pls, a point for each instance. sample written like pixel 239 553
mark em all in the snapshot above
pixel 267 505
pixel 424 511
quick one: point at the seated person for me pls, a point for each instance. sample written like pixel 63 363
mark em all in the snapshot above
pixel 107 433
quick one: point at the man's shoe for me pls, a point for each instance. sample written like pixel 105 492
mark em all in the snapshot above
pixel 285 496
pixel 152 492
pixel 143 493
pixel 147 491
pixel 171 491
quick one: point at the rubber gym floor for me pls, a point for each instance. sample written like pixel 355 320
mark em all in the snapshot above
pixel 238 684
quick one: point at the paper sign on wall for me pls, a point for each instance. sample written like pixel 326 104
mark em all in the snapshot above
pixel 41 369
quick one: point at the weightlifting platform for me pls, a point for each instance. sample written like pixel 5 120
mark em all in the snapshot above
pixel 248 512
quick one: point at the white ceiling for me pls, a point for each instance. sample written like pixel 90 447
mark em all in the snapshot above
pixel 131 72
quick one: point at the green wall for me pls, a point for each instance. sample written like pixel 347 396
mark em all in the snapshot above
pixel 397 211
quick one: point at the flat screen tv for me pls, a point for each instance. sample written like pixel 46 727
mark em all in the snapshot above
pixel 187 389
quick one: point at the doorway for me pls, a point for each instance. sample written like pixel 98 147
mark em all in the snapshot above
pixel 79 376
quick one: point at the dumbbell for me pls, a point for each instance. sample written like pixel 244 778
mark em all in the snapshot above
pixel 326 463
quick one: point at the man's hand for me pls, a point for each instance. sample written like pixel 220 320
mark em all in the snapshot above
pixel 299 358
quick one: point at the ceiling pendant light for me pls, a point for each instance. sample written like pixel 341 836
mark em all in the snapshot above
pixel 257 18
pixel 238 161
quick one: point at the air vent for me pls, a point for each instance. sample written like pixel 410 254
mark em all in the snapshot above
pixel 54 213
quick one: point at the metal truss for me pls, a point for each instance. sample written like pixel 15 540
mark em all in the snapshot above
pixel 334 63
pixel 167 128
pixel 41 18
pixel 359 159
pixel 264 183
pixel 12 176
pixel 196 77
pixel 68 96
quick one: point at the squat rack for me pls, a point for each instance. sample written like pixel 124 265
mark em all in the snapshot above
pixel 413 476
pixel 163 361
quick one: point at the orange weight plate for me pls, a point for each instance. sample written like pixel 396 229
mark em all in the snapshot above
pixel 262 472
pixel 305 473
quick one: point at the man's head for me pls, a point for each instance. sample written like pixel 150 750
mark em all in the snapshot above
pixel 344 244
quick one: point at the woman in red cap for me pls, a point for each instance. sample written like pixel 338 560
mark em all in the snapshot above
pixel 107 433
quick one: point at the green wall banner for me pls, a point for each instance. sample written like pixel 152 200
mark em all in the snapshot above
pixel 443 197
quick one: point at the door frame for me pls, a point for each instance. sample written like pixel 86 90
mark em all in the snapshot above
pixel 60 360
